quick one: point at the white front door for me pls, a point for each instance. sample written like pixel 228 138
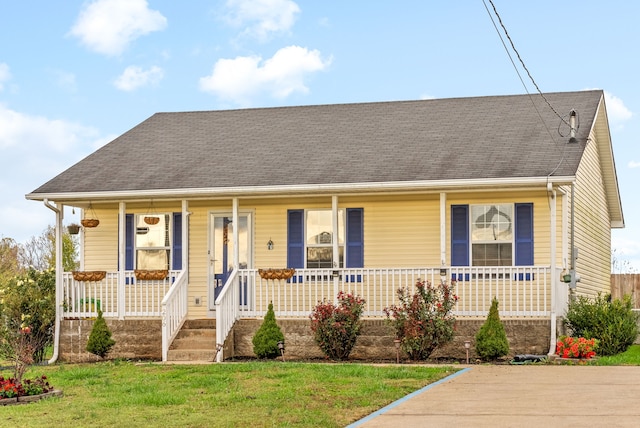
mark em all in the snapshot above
pixel 221 250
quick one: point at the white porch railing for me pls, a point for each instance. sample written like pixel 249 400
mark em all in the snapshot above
pixel 228 308
pixel 521 291
pixel 130 298
pixel 174 311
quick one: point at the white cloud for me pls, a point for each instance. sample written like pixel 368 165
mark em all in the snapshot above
pixel 262 18
pixel 134 77
pixel 34 149
pixel 108 26
pixel 5 75
pixel 241 78
pixel 39 134
pixel 634 164
pixel 616 109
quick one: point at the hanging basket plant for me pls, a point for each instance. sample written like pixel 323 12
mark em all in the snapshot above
pixel 73 229
pixel 91 219
pixel 151 217
pixel 90 222
pixel 151 220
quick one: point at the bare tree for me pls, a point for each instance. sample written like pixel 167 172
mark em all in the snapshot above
pixel 39 252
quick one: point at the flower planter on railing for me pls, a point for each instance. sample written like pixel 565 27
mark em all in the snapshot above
pixel 89 275
pixel 149 275
pixel 276 273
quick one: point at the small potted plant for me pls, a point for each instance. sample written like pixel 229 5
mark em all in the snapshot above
pixel 73 229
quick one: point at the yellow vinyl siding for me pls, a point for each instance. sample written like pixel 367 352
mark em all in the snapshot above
pixel 404 232
pixel 101 243
pixel 592 224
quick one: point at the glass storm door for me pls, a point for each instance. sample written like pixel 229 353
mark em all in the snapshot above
pixel 221 251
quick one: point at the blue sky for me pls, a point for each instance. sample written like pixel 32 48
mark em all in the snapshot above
pixel 74 75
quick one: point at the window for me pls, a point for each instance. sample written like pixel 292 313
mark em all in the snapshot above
pixel 311 238
pixel 153 243
pixel 492 235
pixel 153 246
pixel 319 239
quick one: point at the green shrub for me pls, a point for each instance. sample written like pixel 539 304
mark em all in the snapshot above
pixel 423 321
pixel 28 302
pixel 100 341
pixel 491 339
pixel 612 322
pixel 265 341
pixel 336 327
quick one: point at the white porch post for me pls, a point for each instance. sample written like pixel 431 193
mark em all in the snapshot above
pixel 443 229
pixel 554 278
pixel 122 260
pixel 236 240
pixel 185 237
pixel 334 241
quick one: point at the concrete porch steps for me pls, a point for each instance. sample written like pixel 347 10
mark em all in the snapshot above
pixel 195 342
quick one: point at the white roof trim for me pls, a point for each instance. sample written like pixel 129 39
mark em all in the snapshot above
pixel 410 186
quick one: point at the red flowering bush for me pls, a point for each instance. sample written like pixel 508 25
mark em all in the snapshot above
pixel 11 387
pixel 572 347
pixel 423 321
pixel 336 327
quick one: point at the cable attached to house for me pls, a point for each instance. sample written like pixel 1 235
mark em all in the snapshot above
pixel 504 28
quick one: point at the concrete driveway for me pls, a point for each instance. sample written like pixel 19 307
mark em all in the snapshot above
pixel 520 396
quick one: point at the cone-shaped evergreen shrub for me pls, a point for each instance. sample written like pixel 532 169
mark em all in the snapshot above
pixel 265 341
pixel 100 341
pixel 491 339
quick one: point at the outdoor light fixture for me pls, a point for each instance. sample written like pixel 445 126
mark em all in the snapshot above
pixel 467 345
pixel 281 348
pixel 397 343
pixel 270 245
pixel 443 272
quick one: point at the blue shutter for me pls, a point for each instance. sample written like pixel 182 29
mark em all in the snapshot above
pixel 459 235
pixel 176 251
pixel 355 238
pixel 295 239
pixel 129 241
pixel 524 234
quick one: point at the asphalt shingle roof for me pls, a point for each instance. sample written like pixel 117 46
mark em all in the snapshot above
pixel 440 139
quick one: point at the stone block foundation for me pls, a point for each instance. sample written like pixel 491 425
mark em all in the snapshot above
pixel 526 336
pixel 142 339
pixel 135 339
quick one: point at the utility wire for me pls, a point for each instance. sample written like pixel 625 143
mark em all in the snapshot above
pixel 563 158
pixel 520 58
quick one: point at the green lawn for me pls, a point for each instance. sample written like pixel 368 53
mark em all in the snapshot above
pixel 255 394
pixel 631 357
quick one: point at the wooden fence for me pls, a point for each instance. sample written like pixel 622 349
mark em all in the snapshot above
pixel 626 283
